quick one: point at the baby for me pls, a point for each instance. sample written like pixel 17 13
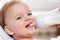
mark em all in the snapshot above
pixel 17 20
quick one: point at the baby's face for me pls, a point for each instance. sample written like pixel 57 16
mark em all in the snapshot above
pixel 19 21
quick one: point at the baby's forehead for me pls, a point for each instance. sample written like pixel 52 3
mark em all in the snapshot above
pixel 18 8
pixel 18 5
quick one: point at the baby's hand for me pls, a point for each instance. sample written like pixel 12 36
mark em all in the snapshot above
pixel 59 9
pixel 56 26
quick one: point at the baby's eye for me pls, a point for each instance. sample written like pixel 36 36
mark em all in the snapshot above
pixel 29 14
pixel 18 18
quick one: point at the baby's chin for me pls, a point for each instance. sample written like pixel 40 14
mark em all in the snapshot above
pixel 27 34
pixel 30 32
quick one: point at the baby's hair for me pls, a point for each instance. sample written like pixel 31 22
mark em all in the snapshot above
pixel 4 11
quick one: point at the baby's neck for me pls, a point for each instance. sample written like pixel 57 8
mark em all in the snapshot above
pixel 24 39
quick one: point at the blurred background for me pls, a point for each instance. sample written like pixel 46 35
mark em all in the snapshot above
pixel 41 7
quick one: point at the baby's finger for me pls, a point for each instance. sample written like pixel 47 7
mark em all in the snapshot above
pixel 59 9
pixel 56 26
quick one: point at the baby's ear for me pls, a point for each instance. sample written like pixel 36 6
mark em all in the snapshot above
pixel 8 30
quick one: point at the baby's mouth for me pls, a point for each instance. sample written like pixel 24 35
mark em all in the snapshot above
pixel 30 25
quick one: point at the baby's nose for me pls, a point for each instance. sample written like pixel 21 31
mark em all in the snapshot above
pixel 27 18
